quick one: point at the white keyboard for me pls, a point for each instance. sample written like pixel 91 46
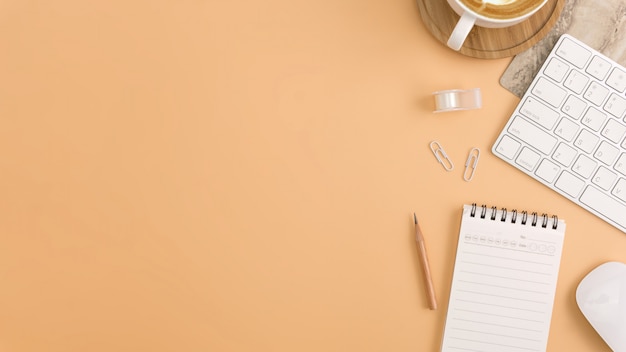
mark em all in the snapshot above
pixel 568 131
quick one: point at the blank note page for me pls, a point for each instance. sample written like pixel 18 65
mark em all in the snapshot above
pixel 504 281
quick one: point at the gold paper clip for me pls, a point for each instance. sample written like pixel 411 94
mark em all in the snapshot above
pixel 441 156
pixel 470 166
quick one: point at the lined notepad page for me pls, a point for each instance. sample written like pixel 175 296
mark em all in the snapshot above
pixel 503 284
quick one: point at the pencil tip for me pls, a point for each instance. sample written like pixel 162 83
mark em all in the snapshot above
pixel 415 218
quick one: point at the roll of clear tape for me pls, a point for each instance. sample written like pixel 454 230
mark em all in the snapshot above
pixel 457 99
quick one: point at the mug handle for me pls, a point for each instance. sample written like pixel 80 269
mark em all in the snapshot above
pixel 461 30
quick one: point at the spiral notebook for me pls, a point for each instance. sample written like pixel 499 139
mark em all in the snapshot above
pixel 504 281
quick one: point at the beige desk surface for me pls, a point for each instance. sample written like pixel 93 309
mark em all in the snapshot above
pixel 199 175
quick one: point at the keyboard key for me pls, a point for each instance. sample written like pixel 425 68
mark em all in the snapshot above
pixel 606 153
pixel 584 166
pixel 564 154
pixel 547 170
pixel 527 159
pixel 605 205
pixel 576 81
pixel 574 107
pixel 604 178
pixel 598 68
pixel 539 112
pixel 614 131
pixel 549 92
pixel 556 69
pixel 508 147
pixel 616 105
pixel 617 80
pixel 594 119
pixel 569 184
pixel 573 53
pixel 586 141
pixel 620 189
pixel 566 129
pixel 620 165
pixel 596 93
pixel 533 135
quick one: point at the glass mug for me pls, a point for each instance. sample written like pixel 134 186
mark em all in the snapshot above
pixel 489 14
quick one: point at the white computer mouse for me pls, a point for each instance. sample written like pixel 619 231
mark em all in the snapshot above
pixel 601 297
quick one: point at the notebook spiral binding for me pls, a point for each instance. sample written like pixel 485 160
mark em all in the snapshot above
pixel 523 220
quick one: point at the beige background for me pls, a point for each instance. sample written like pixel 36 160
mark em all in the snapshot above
pixel 240 176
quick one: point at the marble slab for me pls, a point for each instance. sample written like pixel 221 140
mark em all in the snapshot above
pixel 599 24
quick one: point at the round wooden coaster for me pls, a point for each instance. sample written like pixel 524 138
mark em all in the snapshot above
pixel 490 43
